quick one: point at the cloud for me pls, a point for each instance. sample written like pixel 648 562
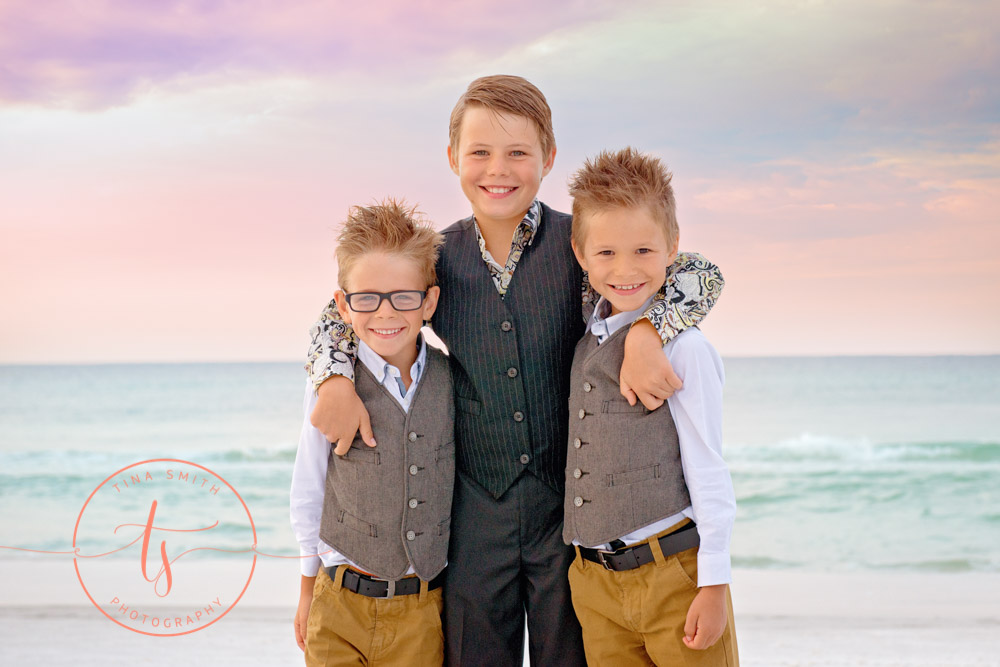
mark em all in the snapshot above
pixel 97 54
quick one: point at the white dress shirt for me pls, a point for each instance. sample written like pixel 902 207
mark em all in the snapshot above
pixel 697 413
pixel 309 474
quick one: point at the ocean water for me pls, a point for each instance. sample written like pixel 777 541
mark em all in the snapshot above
pixel 840 463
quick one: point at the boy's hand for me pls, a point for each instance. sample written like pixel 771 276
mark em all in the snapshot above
pixel 706 618
pixel 646 373
pixel 339 414
pixel 302 613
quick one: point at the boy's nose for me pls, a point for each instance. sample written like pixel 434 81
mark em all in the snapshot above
pixel 497 165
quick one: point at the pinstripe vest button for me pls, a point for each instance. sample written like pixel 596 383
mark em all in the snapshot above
pixel 519 416
pixel 506 326
pixel 525 458
pixel 512 372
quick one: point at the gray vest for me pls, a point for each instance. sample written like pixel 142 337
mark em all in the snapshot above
pixel 389 507
pixel 510 357
pixel 623 462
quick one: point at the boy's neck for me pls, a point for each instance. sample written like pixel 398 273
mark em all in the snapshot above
pixel 498 234
pixel 402 361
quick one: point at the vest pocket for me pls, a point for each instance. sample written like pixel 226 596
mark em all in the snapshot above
pixel 468 405
pixel 363 454
pixel 356 524
pixel 444 527
pixel 634 476
pixel 621 406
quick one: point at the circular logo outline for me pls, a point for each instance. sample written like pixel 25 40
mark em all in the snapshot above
pixel 76 564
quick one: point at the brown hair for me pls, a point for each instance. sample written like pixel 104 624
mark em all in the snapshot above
pixel 624 179
pixel 389 226
pixel 502 93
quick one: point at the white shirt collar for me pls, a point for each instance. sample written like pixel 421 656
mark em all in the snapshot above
pixel 383 370
pixel 603 325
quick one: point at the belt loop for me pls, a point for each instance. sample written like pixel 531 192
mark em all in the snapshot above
pixel 654 546
pixel 579 557
pixel 422 595
pixel 338 577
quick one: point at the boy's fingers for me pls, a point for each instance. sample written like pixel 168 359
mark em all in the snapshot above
pixel 627 392
pixel 366 429
pixel 650 401
pixel 673 380
pixel 342 446
pixel 690 627
pixel 298 634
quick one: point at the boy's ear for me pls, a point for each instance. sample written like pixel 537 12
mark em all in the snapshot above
pixel 547 167
pixel 672 252
pixel 431 301
pixel 345 312
pixel 452 160
pixel 579 255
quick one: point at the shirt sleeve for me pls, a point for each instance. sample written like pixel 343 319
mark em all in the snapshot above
pixel 691 289
pixel 697 412
pixel 333 347
pixel 308 487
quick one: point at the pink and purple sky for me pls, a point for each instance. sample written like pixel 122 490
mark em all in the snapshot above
pixel 172 173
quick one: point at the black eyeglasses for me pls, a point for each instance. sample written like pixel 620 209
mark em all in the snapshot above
pixel 369 302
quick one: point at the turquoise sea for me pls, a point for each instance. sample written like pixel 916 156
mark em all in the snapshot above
pixel 839 463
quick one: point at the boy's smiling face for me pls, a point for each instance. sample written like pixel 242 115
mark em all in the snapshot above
pixel 626 254
pixel 500 164
pixel 391 333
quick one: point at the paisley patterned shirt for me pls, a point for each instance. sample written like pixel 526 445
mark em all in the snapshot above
pixel 690 290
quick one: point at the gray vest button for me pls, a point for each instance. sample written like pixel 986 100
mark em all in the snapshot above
pixel 577 473
pixel 578 501
pixel 413 503
pixel 410 535
pixel 587 386
pixel 577 443
pixel 412 437
pixel 414 469
pixel 583 413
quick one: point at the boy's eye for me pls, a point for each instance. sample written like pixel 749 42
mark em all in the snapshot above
pixel 606 253
pixel 643 251
pixel 518 153
pixel 479 152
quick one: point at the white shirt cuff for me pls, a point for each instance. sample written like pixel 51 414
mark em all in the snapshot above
pixel 714 569
pixel 310 563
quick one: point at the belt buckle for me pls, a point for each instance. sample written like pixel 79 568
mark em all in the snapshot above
pixel 602 555
pixel 390 592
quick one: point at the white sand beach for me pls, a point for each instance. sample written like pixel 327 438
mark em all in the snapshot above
pixel 784 619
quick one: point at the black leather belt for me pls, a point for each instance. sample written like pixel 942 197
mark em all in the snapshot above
pixel 362 584
pixel 630 558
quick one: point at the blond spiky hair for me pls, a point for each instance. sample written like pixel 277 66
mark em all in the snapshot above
pixel 388 226
pixel 623 179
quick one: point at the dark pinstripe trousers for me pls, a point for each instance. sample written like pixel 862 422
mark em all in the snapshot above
pixel 507 558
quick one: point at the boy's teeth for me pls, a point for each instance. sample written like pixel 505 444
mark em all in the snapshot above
pixel 626 286
pixel 387 332
pixel 498 191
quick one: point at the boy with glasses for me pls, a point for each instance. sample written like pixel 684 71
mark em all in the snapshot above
pixel 373 524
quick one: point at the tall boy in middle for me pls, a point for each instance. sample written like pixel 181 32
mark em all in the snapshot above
pixel 510 313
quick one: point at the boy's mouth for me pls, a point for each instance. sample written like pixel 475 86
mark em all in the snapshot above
pixel 497 191
pixel 630 288
pixel 385 333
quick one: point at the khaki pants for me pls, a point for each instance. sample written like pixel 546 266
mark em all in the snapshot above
pixel 346 628
pixel 637 617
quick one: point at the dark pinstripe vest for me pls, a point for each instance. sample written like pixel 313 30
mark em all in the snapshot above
pixel 510 358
